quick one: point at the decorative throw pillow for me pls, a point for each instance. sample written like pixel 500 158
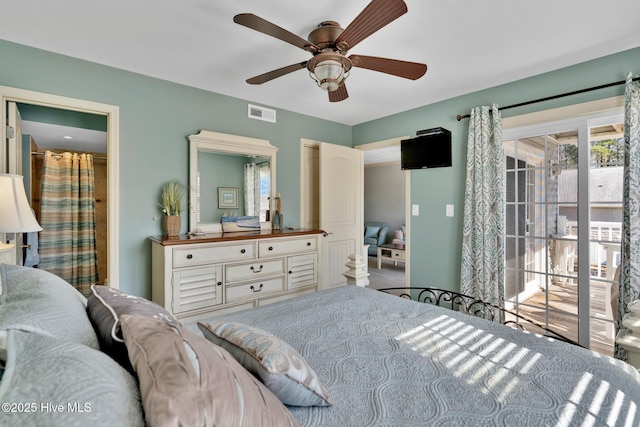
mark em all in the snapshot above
pixel 186 380
pixel 278 365
pixel 43 300
pixel 105 306
pixel 371 231
pixel 61 383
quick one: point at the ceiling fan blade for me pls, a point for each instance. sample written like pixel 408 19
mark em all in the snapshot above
pixel 375 16
pixel 263 78
pixel 262 25
pixel 406 69
pixel 339 94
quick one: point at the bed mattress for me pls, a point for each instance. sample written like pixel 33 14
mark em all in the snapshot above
pixel 388 361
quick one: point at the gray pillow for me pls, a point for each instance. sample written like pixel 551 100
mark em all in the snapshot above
pixel 278 365
pixel 187 381
pixel 43 300
pixel 105 305
pixel 84 386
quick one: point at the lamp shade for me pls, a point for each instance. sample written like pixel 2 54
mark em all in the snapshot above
pixel 328 74
pixel 329 70
pixel 15 213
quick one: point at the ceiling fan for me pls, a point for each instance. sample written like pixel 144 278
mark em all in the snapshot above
pixel 329 43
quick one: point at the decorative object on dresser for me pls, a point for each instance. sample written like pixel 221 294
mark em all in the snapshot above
pixel 278 218
pixel 240 223
pixel 172 203
pixel 16 215
pixel 196 276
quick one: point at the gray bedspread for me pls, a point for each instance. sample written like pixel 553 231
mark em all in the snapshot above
pixel 387 361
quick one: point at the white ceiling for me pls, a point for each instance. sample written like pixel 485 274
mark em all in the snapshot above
pixel 65 138
pixel 467 45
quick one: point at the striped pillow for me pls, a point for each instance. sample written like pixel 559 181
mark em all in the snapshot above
pixel 186 380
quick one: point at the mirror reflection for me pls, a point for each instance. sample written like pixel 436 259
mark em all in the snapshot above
pixel 231 184
pixel 229 175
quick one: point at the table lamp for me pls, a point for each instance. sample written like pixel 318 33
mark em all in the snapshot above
pixel 16 215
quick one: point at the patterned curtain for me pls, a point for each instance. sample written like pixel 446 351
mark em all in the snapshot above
pixel 68 239
pixel 251 189
pixel 630 249
pixel 482 272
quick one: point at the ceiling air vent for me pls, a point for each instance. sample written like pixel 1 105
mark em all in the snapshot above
pixel 261 113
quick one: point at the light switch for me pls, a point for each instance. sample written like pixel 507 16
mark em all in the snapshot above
pixel 449 210
pixel 415 210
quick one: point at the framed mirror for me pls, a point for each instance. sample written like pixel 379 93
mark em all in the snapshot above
pixel 229 175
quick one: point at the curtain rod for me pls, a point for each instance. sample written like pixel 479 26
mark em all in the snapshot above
pixel 40 153
pixel 549 98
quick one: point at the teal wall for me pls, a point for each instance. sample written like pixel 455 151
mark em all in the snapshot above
pixel 37 113
pixel 226 171
pixel 155 118
pixel 436 239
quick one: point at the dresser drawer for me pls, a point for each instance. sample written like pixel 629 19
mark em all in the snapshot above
pixel 190 256
pixel 302 271
pixel 275 247
pixel 256 289
pixel 253 270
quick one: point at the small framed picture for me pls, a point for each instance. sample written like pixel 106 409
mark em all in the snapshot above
pixel 227 198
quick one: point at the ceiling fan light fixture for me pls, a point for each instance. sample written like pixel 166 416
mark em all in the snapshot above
pixel 329 70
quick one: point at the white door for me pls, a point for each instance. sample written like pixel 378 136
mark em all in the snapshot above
pixel 341 183
pixel 14 139
pixel 14 159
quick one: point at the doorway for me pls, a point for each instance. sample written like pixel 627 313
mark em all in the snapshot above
pixel 564 219
pixel 387 197
pixel 11 158
pixel 61 131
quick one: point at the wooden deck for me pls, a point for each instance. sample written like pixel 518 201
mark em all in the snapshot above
pixel 562 316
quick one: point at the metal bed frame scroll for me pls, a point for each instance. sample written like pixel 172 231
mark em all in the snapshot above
pixel 475 307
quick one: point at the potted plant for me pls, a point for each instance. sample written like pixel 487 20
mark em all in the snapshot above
pixel 172 203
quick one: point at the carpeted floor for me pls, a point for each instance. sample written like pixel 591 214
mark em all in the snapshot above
pixel 389 276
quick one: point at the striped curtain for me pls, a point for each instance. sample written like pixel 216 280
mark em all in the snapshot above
pixel 630 248
pixel 483 233
pixel 68 239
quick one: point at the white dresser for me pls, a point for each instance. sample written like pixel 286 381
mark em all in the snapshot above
pixel 198 276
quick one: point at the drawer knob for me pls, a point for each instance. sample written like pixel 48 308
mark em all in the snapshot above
pixel 290 272
pixel 270 248
pixel 256 290
pixel 219 283
pixel 189 256
pixel 308 243
pixel 256 271
pixel 243 251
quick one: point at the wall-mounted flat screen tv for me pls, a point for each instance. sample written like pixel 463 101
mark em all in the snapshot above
pixel 429 149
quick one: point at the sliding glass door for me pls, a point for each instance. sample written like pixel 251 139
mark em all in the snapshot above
pixel 563 220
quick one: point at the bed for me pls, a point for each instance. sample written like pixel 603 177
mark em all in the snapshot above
pixel 389 361
pixel 379 359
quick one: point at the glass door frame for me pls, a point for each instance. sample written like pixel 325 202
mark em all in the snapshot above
pixel 582 125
